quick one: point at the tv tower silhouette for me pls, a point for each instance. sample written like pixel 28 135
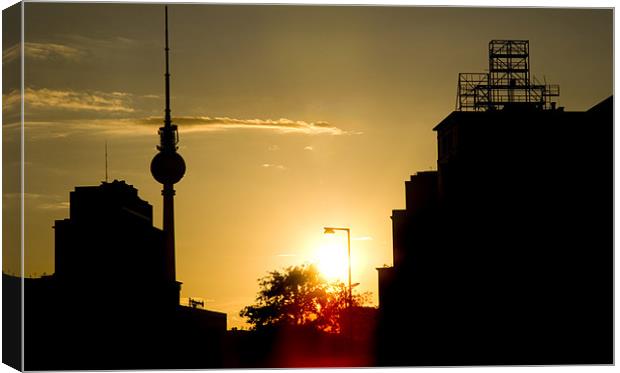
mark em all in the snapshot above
pixel 168 167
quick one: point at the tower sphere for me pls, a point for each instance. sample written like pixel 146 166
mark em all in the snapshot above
pixel 168 167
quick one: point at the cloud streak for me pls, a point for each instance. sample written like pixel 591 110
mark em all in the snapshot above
pixel 78 47
pixel 147 126
pixel 282 125
pixel 50 99
pixel 39 201
pixel 271 165
pixel 68 111
pixel 42 51
pixel 54 206
pixel 107 43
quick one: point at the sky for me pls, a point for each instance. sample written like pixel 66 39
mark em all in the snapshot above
pixel 291 118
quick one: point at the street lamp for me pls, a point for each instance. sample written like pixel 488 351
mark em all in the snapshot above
pixel 332 230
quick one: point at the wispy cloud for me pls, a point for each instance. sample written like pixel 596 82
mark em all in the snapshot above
pixel 51 99
pixel 309 148
pixel 10 100
pixel 282 125
pixel 273 148
pixel 68 47
pixel 271 165
pixel 26 195
pixel 139 127
pixel 64 112
pixel 42 51
pixel 54 206
pixel 39 201
pixel 11 53
pixel 112 42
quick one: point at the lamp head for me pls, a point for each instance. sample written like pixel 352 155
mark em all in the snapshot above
pixel 329 230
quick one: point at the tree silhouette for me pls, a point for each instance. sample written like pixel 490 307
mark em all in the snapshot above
pixel 300 296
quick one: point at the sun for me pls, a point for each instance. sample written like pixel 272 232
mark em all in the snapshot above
pixel 331 258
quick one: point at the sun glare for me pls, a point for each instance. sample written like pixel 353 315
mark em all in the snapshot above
pixel 331 257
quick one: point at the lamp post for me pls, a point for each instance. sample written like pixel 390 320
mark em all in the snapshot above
pixel 332 230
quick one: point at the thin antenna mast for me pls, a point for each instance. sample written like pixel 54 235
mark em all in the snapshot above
pixel 106 161
pixel 167 120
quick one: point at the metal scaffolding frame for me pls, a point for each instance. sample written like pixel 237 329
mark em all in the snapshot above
pixel 507 83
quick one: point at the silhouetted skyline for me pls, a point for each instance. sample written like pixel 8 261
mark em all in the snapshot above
pixel 111 296
pixel 359 90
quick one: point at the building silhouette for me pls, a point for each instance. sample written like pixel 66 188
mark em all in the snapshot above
pixel 109 246
pixel 504 255
pixel 108 305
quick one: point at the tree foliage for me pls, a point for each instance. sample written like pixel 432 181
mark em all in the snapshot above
pixel 299 296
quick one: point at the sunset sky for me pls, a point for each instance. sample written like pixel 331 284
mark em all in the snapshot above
pixel 291 118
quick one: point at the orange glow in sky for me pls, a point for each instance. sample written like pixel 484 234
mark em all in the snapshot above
pixel 291 118
pixel 331 257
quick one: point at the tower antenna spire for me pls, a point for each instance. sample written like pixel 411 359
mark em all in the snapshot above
pixel 167 120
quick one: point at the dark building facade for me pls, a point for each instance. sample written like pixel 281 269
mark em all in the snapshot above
pixel 504 255
pixel 110 303
pixel 110 246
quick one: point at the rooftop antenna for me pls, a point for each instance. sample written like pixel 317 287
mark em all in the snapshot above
pixel 506 83
pixel 106 161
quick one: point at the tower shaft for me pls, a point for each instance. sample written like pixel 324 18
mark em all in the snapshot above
pixel 168 218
